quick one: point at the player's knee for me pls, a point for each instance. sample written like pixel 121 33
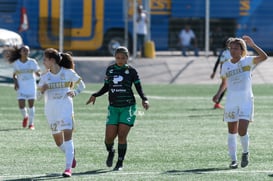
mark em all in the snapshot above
pixel 242 132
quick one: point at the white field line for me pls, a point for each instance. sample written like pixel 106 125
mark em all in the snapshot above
pixel 187 97
pixel 7 85
pixel 171 97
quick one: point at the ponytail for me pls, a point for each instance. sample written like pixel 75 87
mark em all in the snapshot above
pixel 12 54
pixel 62 59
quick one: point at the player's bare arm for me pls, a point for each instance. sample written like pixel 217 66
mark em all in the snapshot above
pixel 261 54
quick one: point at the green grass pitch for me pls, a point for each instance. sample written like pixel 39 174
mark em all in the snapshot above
pixel 179 138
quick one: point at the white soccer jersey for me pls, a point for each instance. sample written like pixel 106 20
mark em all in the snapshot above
pixel 59 106
pixel 225 56
pixel 25 72
pixel 239 75
pixel 239 101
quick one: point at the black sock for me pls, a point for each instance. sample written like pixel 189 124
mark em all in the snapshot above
pixel 121 151
pixel 109 147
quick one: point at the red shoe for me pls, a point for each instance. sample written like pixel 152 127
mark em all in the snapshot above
pixel 67 173
pixel 74 163
pixel 24 123
pixel 31 127
pixel 218 106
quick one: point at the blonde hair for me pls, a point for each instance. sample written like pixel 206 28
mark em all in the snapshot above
pixel 241 42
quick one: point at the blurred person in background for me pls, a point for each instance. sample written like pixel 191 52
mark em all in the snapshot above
pixel 222 57
pixel 142 21
pixel 218 36
pixel 188 41
pixel 26 70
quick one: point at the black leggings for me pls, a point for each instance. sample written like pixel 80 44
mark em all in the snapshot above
pixel 221 97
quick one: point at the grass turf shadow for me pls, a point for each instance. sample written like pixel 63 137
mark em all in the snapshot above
pixel 194 171
pixel 56 176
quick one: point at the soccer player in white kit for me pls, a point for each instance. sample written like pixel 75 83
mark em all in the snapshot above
pixel 26 70
pixel 57 85
pixel 222 57
pixel 239 108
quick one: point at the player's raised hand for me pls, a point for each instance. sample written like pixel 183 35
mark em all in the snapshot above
pixel 248 40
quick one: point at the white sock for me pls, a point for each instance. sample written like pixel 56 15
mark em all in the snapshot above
pixel 24 112
pixel 31 112
pixel 69 153
pixel 232 146
pixel 62 148
pixel 245 143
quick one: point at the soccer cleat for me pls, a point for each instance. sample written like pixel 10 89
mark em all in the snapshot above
pixel 233 165
pixel 244 161
pixel 31 127
pixel 24 123
pixel 67 173
pixel 110 157
pixel 118 166
pixel 218 106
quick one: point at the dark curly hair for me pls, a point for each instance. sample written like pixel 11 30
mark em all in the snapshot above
pixel 13 53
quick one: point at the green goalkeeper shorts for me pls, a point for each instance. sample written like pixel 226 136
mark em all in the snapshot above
pixel 121 115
